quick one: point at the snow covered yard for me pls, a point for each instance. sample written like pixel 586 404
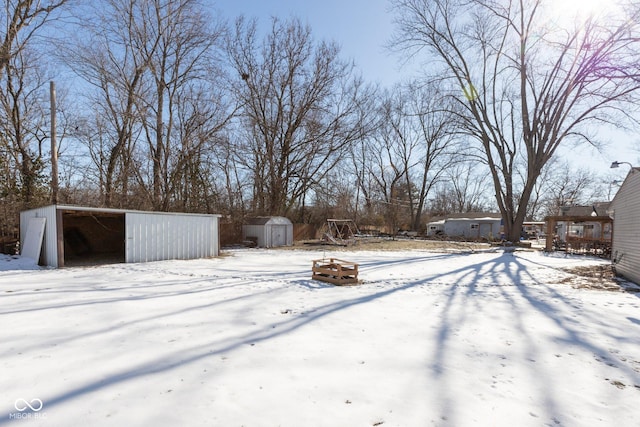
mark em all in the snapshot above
pixel 488 338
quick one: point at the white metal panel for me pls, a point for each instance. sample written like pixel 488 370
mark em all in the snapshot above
pixel 49 253
pixel 33 241
pixel 154 236
pixel 626 227
pixel 257 231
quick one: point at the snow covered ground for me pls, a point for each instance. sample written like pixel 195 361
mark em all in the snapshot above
pixel 490 338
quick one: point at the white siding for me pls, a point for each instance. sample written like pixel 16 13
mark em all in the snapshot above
pixel 626 228
pixel 276 231
pixel 49 253
pixel 484 227
pixel 257 231
pixel 157 236
pixel 434 227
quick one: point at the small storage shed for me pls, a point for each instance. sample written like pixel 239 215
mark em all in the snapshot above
pixel 474 225
pixel 269 231
pixel 625 211
pixel 73 235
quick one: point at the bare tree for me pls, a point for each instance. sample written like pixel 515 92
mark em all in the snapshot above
pixel 182 109
pixel 106 54
pixel 436 149
pixel 525 88
pixel 301 109
pixel 560 186
pixel 403 159
pixel 23 124
pixel 464 188
pixel 23 18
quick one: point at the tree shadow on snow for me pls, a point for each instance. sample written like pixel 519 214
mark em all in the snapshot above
pixel 461 288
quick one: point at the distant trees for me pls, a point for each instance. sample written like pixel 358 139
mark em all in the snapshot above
pixel 301 108
pixel 464 188
pixel 407 154
pixel 524 87
pixel 561 185
pixel 156 97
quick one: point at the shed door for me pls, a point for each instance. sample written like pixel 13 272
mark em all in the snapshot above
pixel 485 230
pixel 278 235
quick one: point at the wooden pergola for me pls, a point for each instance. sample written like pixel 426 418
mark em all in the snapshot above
pixel 553 220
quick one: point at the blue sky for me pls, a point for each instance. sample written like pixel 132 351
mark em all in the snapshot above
pixel 360 27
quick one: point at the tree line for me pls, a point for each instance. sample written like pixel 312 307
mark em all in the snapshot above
pixel 165 106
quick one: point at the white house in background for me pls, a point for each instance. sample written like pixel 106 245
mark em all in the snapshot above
pixel 435 228
pixel 625 211
pixel 470 225
pixel 268 231
pixel 59 235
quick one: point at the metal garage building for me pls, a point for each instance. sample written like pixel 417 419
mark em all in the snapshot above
pixel 625 211
pixel 60 235
pixel 269 231
pixel 470 225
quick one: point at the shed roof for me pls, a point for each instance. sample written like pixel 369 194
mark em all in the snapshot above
pixel 264 220
pixel 468 215
pixel 118 211
pixel 600 209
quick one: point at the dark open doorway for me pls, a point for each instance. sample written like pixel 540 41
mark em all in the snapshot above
pixel 92 238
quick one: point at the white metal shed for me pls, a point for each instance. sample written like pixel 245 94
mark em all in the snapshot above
pixel 625 211
pixel 269 231
pixel 474 225
pixel 79 235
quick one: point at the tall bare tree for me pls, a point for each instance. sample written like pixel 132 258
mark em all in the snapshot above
pixel 183 108
pixel 106 54
pixel 24 126
pixel 24 19
pixel 301 109
pixel 524 87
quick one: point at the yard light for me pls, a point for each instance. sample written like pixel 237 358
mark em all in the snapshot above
pixel 616 164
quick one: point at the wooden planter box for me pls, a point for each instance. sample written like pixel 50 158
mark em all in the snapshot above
pixel 336 271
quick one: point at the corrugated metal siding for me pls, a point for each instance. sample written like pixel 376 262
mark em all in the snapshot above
pixel 462 227
pixel 49 254
pixel 257 231
pixel 156 236
pixel 626 227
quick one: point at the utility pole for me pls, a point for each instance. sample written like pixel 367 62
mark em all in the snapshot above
pixel 54 146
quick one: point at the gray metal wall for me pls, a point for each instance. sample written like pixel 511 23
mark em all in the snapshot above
pixel 626 227
pixel 152 236
pixel 49 254
pixel 462 227
pixel 257 231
